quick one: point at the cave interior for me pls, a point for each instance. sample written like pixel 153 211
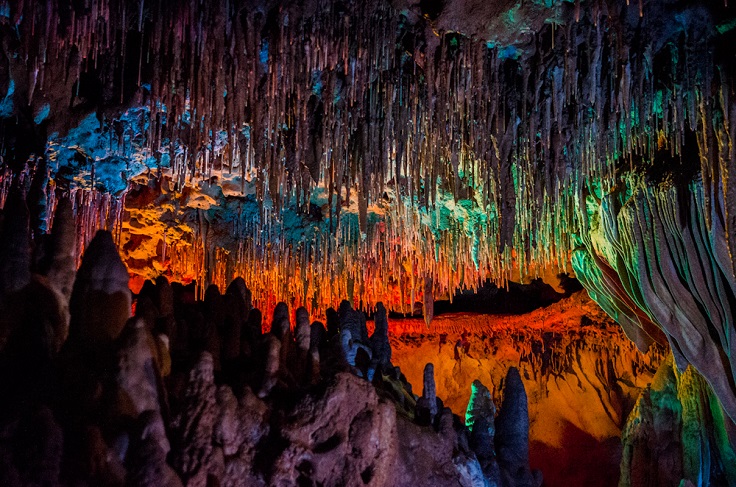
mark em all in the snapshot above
pixel 378 242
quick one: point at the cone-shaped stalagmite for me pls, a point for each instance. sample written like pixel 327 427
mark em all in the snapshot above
pixel 101 301
pixel 379 340
pixel 479 417
pixel 427 403
pixel 512 434
pixel 62 265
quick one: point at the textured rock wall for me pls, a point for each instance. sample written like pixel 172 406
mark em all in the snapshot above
pixel 657 260
pixel 581 374
pixel 678 434
pixel 192 393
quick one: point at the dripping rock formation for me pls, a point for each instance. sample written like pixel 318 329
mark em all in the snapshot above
pixel 362 157
pixel 161 398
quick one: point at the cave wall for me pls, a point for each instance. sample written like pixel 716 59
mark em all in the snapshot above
pixel 659 255
pixel 582 376
pixel 678 434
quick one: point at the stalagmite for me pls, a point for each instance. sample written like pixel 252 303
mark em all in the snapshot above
pixel 192 452
pixel 379 340
pixel 137 374
pixel 100 301
pixel 512 434
pixel 147 462
pixel 427 403
pixel 317 334
pixel 62 255
pixel 302 331
pixel 480 419
pixel 15 255
pixel 272 366
pixel 375 155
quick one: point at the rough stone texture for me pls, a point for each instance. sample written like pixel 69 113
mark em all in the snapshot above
pixel 147 466
pixel 273 365
pixel 352 321
pixel 512 434
pixel 280 321
pixel 302 332
pixel 480 419
pixel 62 266
pixel 100 301
pixel 193 454
pixel 427 404
pixel 15 245
pixel 480 406
pixel 137 376
pixel 134 412
pixel 379 340
pixel 677 434
pixel 346 436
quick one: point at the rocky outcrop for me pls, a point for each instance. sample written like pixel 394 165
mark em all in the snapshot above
pixel 582 376
pixel 112 404
pixel 100 301
pixel 678 434
pixel 512 435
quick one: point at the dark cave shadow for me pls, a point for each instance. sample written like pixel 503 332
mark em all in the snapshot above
pixel 582 460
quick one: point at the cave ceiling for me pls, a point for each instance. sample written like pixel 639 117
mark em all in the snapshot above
pixel 394 151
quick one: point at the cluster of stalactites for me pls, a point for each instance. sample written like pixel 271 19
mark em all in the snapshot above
pixel 355 99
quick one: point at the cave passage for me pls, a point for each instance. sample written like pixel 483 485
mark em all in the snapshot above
pixel 376 242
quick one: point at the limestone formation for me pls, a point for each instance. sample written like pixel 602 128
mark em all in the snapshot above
pixel 480 406
pixel 133 410
pixel 427 403
pixel 428 308
pixel 280 323
pixel 317 335
pixel 302 332
pixel 147 465
pixel 677 434
pixel 272 366
pixel 193 454
pixel 138 374
pixel 480 419
pixel 379 340
pixel 100 301
pixel 352 321
pixel 62 265
pixel 15 245
pixel 512 435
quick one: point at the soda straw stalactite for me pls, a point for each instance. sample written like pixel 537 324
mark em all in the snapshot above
pixel 377 155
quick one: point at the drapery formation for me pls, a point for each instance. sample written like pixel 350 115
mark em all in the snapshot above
pixel 653 257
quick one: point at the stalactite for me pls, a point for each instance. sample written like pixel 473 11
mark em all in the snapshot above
pixel 435 160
